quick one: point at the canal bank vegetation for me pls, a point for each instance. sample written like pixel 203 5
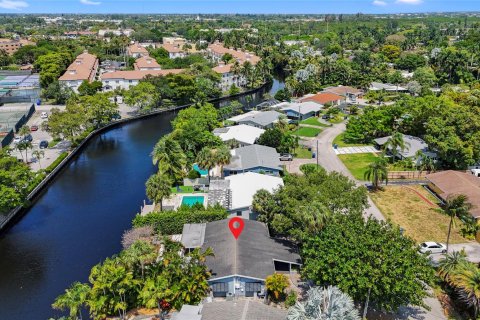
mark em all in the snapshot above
pixel 149 273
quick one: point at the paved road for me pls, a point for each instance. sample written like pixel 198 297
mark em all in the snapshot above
pixel 329 160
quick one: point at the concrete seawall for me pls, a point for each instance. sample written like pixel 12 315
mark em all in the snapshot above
pixel 19 211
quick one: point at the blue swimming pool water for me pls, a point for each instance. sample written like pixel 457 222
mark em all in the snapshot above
pixel 191 200
pixel 201 171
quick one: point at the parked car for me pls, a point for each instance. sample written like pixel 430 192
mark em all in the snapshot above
pixel 17 139
pixel 432 247
pixel 286 157
pixel 34 128
pixel 43 144
pixel 44 115
pixel 28 138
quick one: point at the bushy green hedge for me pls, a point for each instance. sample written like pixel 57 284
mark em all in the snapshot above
pixel 171 222
pixel 57 161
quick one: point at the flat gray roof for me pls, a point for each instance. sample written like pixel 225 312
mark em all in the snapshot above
pixel 262 118
pixel 193 235
pixel 254 156
pixel 412 146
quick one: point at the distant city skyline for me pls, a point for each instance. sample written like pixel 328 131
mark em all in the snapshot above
pixel 237 6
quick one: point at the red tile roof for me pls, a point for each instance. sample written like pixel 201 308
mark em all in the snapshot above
pixel 139 74
pixel 146 62
pixel 83 68
pixel 323 98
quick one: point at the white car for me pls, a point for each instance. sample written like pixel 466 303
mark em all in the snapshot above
pixel 44 115
pixel 432 247
pixel 17 139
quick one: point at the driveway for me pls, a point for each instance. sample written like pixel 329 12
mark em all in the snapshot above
pixel 472 249
pixel 352 150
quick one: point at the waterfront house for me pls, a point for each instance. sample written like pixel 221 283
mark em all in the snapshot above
pixel 451 183
pixel 84 68
pixel 300 111
pixel 349 93
pixel 127 79
pixel 263 120
pixel 240 267
pixel 254 158
pixel 241 134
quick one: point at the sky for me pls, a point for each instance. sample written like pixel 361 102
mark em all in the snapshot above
pixel 236 6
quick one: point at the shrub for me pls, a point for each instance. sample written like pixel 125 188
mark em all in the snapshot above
pixel 193 174
pixel 55 163
pixel 171 222
pixel 276 285
pixel 291 299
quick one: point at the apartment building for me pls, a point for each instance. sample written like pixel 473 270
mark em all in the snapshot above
pixel 126 79
pixel 84 67
pixel 11 46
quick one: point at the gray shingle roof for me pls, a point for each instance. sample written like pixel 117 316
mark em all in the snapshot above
pixel 252 255
pixel 412 145
pixel 254 156
pixel 262 118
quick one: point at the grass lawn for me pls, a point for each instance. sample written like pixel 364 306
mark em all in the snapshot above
pixel 302 153
pixel 314 122
pixel 357 163
pixel 408 210
pixel 339 141
pixel 183 189
pixel 307 132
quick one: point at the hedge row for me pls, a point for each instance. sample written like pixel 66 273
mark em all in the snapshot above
pixel 171 222
pixel 57 161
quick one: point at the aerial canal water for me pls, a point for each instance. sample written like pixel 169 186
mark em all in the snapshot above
pixel 80 218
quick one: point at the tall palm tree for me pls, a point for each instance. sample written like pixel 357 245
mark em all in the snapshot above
pixel 158 187
pixel 38 154
pixel 452 261
pixel 73 299
pixel 170 158
pixel 456 206
pixel 467 280
pixel 326 304
pixel 205 159
pixel 139 253
pixel 222 157
pixel 377 172
pixel 396 143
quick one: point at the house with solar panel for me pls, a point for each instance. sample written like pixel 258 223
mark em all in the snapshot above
pixel 240 266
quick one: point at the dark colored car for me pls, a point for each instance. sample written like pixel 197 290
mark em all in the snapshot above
pixel 33 128
pixel 43 144
pixel 28 138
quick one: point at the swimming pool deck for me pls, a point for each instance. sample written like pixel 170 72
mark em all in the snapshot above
pixel 175 200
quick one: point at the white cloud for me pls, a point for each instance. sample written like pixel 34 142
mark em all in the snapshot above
pixel 410 1
pixel 13 4
pixel 90 2
pixel 379 3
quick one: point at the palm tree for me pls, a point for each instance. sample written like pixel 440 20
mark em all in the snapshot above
pixel 38 154
pixel 158 187
pixel 170 158
pixel 205 159
pixel 456 206
pixel 326 304
pixel 377 172
pixel 467 280
pixel 396 143
pixel 73 299
pixel 140 252
pixel 452 261
pixel 222 157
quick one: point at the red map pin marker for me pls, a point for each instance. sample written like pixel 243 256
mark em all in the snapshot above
pixel 236 225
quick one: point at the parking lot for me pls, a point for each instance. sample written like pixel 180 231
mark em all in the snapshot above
pixel 50 153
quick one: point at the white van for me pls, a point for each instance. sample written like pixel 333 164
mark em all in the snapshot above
pixel 475 172
pixel 44 115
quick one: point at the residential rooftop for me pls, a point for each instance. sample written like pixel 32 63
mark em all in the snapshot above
pixel 241 133
pixel 412 146
pixel 146 62
pixel 323 98
pixel 139 74
pixel 301 108
pixel 83 68
pixel 262 119
pixel 252 156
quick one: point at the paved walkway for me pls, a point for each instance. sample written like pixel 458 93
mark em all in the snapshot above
pixel 352 150
pixel 241 310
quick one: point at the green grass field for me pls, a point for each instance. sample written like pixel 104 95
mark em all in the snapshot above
pixel 302 153
pixel 307 132
pixel 183 189
pixel 314 122
pixel 357 163
pixel 339 141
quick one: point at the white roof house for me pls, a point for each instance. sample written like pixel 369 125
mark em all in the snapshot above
pixel 244 186
pixel 244 134
pixel 243 116
pixel 302 108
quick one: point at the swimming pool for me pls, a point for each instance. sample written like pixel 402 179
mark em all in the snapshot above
pixel 201 171
pixel 191 200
